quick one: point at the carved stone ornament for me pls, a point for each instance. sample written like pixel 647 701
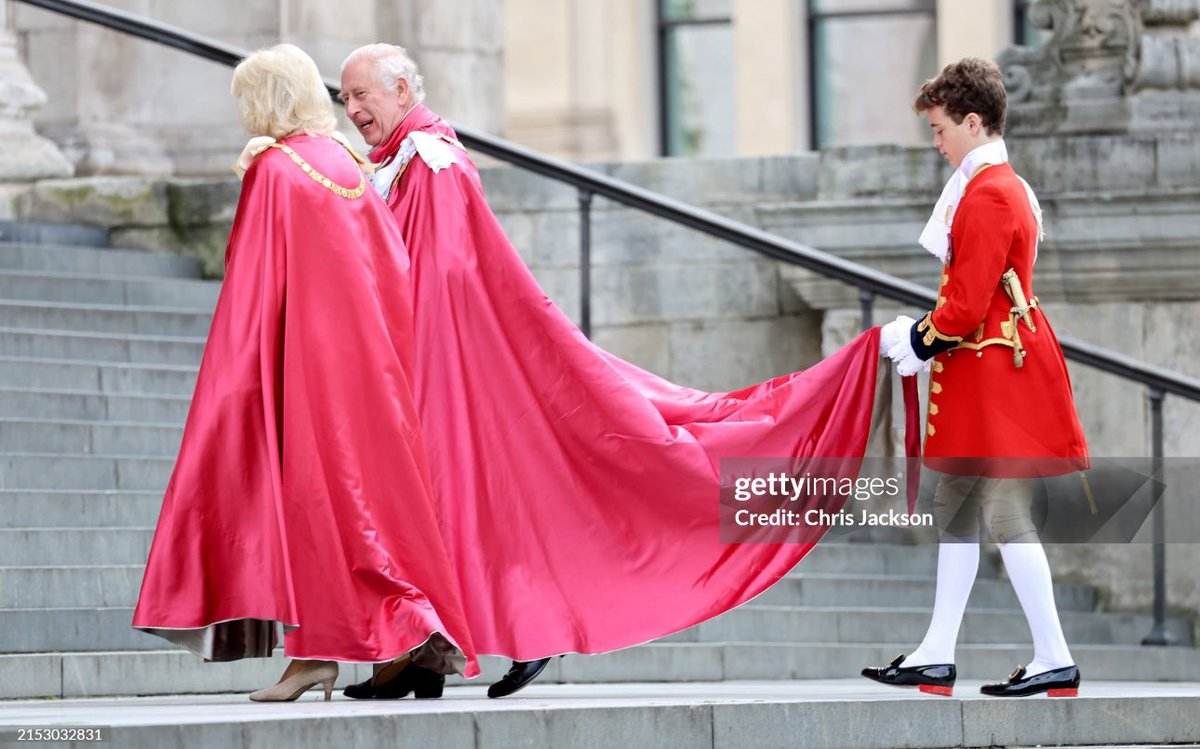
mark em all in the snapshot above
pixel 24 155
pixel 1107 66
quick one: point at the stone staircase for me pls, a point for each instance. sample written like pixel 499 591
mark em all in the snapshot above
pixel 98 355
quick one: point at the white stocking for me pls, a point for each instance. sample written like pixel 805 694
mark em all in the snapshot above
pixel 958 563
pixel 1030 574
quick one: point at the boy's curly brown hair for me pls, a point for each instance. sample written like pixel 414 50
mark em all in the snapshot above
pixel 969 85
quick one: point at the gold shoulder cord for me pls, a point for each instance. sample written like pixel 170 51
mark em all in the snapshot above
pixel 321 179
pixel 451 141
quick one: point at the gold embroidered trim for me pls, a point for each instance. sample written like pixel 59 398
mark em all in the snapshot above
pixel 938 366
pixel 988 342
pixel 979 171
pixel 321 179
pixel 929 430
pixel 931 332
pixel 933 409
pixel 935 388
pixel 400 173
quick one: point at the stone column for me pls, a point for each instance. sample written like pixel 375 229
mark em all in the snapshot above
pixel 980 28
pixel 770 106
pixel 579 78
pixel 459 46
pixel 24 155
pixel 101 90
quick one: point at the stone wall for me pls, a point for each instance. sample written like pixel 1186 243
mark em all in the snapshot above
pixel 121 105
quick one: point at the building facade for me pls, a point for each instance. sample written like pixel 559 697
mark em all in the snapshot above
pixel 618 80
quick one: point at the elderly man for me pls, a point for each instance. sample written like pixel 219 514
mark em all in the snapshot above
pixel 579 496
pixel 381 88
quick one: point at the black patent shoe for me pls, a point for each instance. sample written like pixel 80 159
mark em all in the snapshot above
pixel 420 682
pixel 933 679
pixel 518 677
pixel 1061 682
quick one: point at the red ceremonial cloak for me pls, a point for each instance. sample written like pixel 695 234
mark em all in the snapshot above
pixel 301 494
pixel 579 493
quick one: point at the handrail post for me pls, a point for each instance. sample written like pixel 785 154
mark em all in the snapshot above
pixel 866 303
pixel 1158 634
pixel 585 261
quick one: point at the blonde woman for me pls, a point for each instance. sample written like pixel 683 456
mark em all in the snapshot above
pixel 300 498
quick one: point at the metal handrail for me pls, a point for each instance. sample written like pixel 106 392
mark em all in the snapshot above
pixel 589 181
pixel 870 283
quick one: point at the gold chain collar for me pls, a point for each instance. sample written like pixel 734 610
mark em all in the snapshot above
pixel 321 179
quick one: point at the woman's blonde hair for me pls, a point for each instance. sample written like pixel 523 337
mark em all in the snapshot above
pixel 280 93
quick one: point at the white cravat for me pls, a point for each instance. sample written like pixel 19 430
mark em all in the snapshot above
pixel 935 237
pixel 433 151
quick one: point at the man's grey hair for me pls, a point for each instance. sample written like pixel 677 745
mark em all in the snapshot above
pixel 391 64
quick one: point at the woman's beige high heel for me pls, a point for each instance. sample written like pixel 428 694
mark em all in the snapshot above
pixel 296 681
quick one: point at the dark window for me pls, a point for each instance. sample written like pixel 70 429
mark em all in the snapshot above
pixel 695 75
pixel 1024 34
pixel 866 60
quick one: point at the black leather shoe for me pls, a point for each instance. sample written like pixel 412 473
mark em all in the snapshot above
pixel 934 679
pixel 420 682
pixel 517 678
pixel 1061 682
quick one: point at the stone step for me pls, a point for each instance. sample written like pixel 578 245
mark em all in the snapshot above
pixel 40 234
pixel 170 672
pixel 97 376
pixel 104 318
pixel 907 626
pixel 69 587
pixel 824 714
pixel 94 260
pixel 79 288
pixel 803 588
pixel 80 510
pixel 34 471
pixel 21 547
pixel 93 629
pixel 883 559
pixel 73 437
pixel 31 404
pixel 118 585
pixel 174 672
pixel 100 347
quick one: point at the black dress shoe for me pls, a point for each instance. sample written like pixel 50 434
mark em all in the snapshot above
pixel 934 679
pixel 420 682
pixel 1061 682
pixel 518 677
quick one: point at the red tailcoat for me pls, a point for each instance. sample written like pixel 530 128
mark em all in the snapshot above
pixel 301 494
pixel 579 493
pixel 980 404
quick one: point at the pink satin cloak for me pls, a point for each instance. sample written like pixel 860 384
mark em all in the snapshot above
pixel 578 494
pixel 301 494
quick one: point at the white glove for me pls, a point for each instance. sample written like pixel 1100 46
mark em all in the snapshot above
pixel 906 360
pixel 890 334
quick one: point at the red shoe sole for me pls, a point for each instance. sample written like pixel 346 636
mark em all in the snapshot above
pixel 930 689
pixel 1062 693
